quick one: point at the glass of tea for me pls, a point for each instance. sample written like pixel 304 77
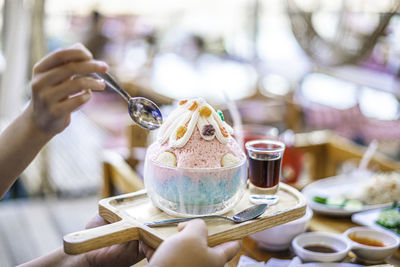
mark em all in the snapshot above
pixel 265 160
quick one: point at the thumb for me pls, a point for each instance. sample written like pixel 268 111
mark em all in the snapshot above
pixel 96 221
pixel 226 251
pixel 194 228
pixel 197 227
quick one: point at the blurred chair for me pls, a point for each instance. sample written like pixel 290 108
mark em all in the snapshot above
pixel 118 176
pixel 120 173
pixel 137 142
pixel 327 152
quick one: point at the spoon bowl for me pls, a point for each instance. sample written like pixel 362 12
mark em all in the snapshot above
pixel 245 215
pixel 143 111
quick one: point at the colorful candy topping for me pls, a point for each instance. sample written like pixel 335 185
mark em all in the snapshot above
pixel 224 132
pixel 208 130
pixel 180 132
pixel 193 106
pixel 194 115
pixel 221 114
pixel 205 111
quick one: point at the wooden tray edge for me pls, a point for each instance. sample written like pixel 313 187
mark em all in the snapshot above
pixel 150 237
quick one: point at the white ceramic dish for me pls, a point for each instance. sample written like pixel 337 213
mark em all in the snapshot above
pixel 336 185
pixel 337 242
pixel 278 238
pixel 343 244
pixel 369 254
pixel 369 218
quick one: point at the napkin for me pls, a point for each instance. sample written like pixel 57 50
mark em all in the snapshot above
pixel 245 261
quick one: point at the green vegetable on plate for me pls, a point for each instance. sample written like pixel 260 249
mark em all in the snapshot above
pixel 390 218
pixel 339 201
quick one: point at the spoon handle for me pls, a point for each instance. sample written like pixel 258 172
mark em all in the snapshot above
pixel 175 221
pixel 111 83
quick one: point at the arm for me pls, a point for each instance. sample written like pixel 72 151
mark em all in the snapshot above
pixel 58 258
pixel 19 143
pixel 187 248
pixel 56 93
pixel 125 254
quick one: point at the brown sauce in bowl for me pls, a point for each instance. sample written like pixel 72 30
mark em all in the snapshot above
pixel 320 249
pixel 366 241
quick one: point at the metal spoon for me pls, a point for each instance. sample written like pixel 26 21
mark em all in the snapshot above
pixel 245 215
pixel 142 110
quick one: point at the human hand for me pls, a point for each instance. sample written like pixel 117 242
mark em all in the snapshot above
pixel 124 254
pixel 57 89
pixel 189 248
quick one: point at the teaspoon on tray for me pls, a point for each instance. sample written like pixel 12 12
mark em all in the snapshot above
pixel 142 110
pixel 245 215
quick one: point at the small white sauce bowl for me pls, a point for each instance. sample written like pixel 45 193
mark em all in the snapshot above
pixel 278 238
pixel 372 254
pixel 334 241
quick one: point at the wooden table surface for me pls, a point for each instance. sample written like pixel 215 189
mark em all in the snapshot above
pixel 319 223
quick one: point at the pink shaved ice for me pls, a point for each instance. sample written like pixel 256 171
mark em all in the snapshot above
pixel 198 153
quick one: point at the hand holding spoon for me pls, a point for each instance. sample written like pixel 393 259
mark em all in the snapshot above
pixel 245 215
pixel 142 110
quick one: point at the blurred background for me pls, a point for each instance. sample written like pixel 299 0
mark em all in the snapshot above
pixel 310 72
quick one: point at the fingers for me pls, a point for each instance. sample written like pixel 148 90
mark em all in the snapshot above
pixel 76 52
pixel 226 251
pixel 74 86
pixel 72 103
pixel 59 74
pixel 96 221
pixel 193 230
pixel 146 250
pixel 194 227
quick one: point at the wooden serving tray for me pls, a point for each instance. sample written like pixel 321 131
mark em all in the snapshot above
pixel 128 213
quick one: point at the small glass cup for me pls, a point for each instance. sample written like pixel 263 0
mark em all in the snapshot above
pixel 255 132
pixel 265 161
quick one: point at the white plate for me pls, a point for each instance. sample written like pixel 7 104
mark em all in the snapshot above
pixel 336 185
pixel 369 218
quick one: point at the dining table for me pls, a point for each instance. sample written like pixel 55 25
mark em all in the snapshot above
pixel 318 223
pixel 324 151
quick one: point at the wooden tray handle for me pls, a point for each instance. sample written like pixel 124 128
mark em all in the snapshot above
pixel 100 237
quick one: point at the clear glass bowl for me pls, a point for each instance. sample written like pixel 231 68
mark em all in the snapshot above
pixel 189 191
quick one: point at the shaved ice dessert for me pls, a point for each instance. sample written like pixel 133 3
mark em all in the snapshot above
pixel 195 167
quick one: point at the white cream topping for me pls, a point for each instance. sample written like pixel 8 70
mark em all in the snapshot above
pixel 181 123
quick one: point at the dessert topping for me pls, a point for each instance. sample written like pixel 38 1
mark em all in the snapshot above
pixel 205 111
pixel 193 106
pixel 228 160
pixel 208 130
pixel 191 115
pixel 224 132
pixel 180 132
pixel 221 114
pixel 182 102
pixel 167 158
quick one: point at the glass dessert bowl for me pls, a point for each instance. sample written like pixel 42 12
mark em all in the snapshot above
pixel 192 191
pixel 195 167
